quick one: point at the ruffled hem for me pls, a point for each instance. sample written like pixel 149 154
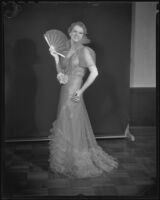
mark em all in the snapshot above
pixel 68 161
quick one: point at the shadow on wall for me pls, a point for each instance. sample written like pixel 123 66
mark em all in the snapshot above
pixel 21 108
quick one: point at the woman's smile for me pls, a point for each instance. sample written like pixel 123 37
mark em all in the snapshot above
pixel 76 33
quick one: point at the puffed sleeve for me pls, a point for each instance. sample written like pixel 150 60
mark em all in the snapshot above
pixel 89 57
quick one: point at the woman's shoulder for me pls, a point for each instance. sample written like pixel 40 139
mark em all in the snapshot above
pixel 87 49
pixel 87 52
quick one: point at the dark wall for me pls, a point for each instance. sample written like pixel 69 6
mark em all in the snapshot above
pixel 32 90
pixel 142 110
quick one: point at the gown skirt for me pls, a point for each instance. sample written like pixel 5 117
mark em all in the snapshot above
pixel 73 149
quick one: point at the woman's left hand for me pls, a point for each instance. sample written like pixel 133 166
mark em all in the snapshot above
pixel 77 95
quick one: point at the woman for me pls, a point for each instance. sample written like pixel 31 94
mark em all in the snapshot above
pixel 73 148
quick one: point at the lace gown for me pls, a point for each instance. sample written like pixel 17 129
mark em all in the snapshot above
pixel 73 150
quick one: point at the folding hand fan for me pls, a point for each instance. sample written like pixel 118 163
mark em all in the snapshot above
pixel 56 39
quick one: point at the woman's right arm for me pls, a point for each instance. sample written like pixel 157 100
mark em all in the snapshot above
pixel 58 66
pixel 57 60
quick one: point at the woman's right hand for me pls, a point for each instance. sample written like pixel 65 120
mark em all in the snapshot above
pixel 54 54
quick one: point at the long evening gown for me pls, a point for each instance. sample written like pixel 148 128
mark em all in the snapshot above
pixel 73 150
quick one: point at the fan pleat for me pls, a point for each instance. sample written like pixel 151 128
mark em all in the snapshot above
pixel 57 38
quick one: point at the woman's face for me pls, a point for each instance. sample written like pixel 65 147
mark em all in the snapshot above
pixel 77 33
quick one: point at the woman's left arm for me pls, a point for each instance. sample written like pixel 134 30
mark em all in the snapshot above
pixel 92 68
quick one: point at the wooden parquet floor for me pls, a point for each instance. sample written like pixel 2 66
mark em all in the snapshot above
pixel 27 173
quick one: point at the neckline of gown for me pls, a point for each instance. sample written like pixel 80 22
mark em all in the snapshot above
pixel 80 47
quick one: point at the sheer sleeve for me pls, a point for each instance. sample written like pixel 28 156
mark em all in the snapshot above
pixel 89 59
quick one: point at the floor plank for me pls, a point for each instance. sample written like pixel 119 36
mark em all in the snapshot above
pixel 27 173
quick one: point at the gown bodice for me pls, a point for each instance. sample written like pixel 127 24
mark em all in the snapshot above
pixel 76 65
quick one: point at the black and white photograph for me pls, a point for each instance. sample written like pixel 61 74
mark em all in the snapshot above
pixel 80 107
